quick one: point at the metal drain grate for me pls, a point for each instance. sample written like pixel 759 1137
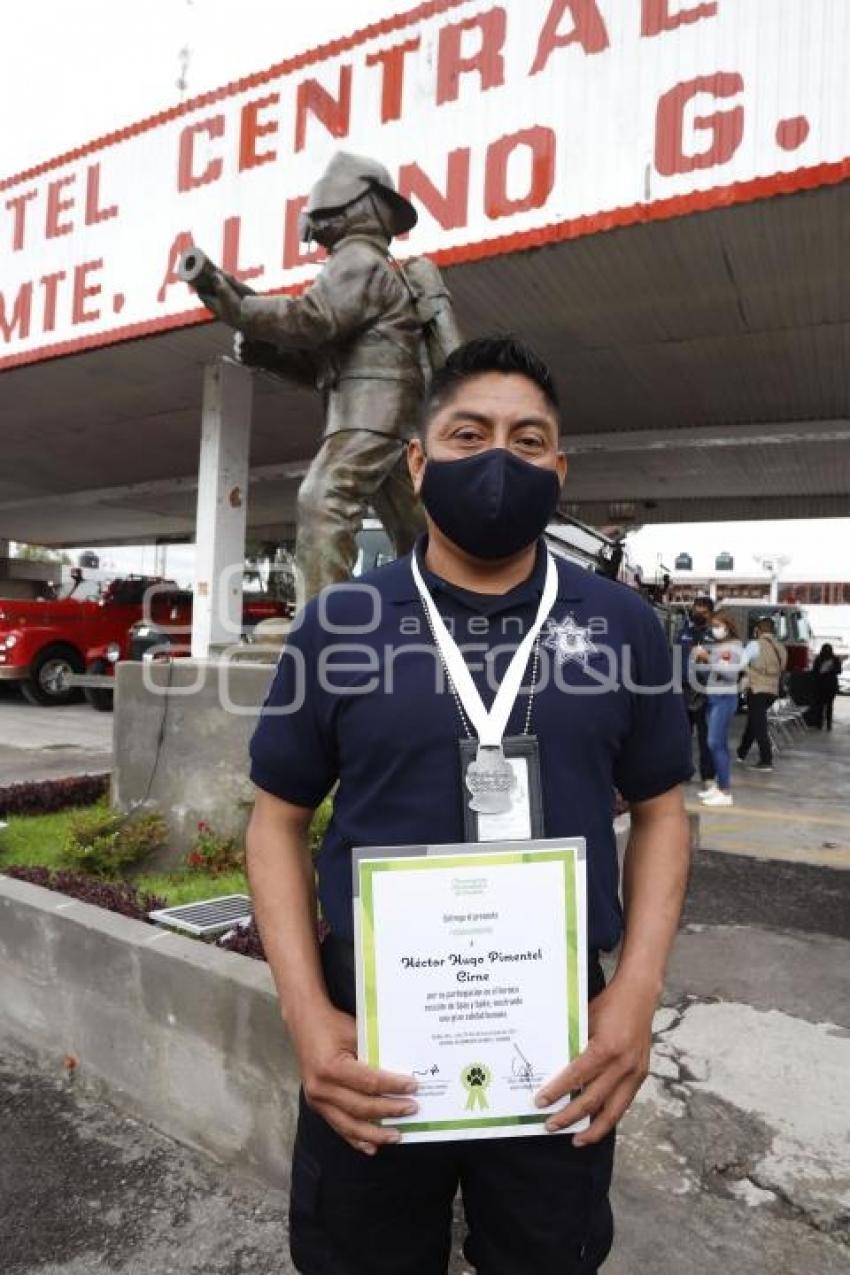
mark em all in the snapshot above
pixel 208 917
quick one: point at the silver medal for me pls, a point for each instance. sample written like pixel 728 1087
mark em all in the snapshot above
pixel 491 780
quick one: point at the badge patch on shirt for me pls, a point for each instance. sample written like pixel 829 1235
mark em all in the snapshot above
pixel 569 641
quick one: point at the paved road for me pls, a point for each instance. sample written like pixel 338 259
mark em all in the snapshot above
pixel 46 743
pixel 86 1191
pixel 738 890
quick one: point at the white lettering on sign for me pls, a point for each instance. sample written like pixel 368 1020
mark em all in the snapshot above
pixel 509 125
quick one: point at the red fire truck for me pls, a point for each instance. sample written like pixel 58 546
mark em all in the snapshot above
pixel 47 643
pixel 164 634
pixel 44 640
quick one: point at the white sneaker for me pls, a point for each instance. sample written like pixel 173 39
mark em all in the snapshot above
pixel 717 798
pixel 710 787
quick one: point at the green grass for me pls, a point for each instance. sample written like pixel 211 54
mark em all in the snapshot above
pixel 188 887
pixel 35 841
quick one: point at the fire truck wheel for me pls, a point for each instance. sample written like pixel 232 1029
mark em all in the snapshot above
pixel 47 684
pixel 101 700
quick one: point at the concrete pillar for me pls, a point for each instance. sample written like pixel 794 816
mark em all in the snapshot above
pixel 4 548
pixel 222 497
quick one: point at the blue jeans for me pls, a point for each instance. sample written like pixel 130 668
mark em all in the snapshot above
pixel 720 711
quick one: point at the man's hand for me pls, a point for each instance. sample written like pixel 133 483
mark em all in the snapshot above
pixel 348 1094
pixel 612 1068
pixel 616 1061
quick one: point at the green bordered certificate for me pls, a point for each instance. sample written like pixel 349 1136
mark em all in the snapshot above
pixel 472 975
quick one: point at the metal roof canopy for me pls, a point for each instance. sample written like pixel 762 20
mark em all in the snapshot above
pixel 702 363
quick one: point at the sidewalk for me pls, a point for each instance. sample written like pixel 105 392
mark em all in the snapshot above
pixel 800 813
pixel 736 1156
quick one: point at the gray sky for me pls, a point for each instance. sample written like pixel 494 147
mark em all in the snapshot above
pixel 817 549
pixel 75 69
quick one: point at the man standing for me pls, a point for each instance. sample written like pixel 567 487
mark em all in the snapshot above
pixel 359 701
pixel 696 633
pixel 766 662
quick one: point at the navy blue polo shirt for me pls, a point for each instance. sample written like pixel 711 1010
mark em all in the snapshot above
pixel 359 699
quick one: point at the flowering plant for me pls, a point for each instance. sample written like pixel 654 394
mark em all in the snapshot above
pixel 211 852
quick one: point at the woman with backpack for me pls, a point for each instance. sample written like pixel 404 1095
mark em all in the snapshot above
pixel 766 662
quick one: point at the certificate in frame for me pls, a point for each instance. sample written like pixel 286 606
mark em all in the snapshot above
pixel 471 965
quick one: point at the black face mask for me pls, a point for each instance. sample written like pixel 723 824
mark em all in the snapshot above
pixel 493 504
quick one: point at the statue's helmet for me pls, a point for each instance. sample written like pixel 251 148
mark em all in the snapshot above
pixel 346 179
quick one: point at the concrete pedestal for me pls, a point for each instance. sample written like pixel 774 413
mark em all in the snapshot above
pixel 181 745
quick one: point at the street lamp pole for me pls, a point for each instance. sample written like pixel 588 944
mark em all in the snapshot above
pixel 773 563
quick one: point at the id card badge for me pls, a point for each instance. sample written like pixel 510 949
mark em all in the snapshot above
pixel 523 817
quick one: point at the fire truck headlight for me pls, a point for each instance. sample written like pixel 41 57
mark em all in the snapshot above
pixel 9 641
pixel 113 652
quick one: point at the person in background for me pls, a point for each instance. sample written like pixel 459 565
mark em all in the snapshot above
pixel 726 660
pixel 695 633
pixel 825 670
pixel 766 662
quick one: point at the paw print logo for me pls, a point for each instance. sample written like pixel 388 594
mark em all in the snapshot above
pixel 475 1079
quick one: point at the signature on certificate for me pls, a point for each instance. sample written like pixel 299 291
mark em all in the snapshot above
pixel 522 1069
pixel 433 1070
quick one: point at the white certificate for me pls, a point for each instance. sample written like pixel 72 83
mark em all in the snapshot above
pixel 472 976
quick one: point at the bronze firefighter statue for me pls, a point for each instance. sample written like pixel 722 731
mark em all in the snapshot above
pixel 366 334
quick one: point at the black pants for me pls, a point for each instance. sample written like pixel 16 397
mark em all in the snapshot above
pixel 535 1204
pixel 699 723
pixel 756 729
pixel 822 712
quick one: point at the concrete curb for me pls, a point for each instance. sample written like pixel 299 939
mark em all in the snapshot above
pixel 183 1035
